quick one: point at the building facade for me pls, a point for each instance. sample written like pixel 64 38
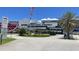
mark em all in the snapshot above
pixel 24 23
pixel 50 23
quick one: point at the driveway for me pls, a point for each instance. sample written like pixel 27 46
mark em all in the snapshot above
pixel 52 43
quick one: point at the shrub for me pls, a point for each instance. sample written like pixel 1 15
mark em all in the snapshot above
pixel 22 32
pixel 17 30
pixel 40 35
pixel 52 33
pixel 28 33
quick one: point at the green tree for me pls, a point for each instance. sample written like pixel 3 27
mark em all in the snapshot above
pixel 68 24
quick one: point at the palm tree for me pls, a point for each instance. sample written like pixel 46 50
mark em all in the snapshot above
pixel 68 24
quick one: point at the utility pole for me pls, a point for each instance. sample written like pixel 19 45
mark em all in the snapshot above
pixel 31 12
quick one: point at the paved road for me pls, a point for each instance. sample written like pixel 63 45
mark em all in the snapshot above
pixel 53 43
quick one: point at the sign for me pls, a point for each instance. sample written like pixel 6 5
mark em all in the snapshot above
pixel 5 22
pixel 4 27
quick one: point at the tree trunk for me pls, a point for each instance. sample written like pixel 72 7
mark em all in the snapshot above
pixel 67 35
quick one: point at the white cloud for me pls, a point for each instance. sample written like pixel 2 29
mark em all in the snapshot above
pixel 49 19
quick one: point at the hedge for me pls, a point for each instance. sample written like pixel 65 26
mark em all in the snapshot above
pixel 40 35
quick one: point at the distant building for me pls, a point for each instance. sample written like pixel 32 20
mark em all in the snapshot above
pixel 35 25
pixel 50 23
pixel 24 23
pixel 44 25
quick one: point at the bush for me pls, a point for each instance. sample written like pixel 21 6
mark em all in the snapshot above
pixel 22 32
pixel 28 33
pixel 17 30
pixel 52 33
pixel 40 35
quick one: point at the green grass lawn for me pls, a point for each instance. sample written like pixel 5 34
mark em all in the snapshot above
pixel 40 35
pixel 7 40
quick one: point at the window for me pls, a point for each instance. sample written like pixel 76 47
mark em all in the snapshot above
pixel 23 24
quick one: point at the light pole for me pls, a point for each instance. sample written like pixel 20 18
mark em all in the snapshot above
pixel 31 14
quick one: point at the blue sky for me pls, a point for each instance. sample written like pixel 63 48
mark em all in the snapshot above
pixel 18 13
